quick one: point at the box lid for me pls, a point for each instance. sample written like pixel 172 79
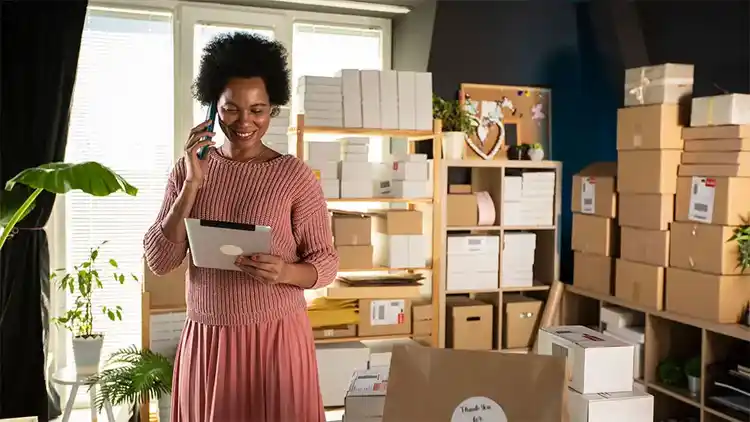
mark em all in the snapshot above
pixel 369 382
pixel 584 337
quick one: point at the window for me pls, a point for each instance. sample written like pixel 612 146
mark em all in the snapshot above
pixel 122 116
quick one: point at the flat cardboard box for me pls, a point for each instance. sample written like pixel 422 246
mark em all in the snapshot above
pixel 430 384
pixel 703 248
pixel 715 170
pixel 355 257
pixel 521 321
pixel 462 210
pixel 710 297
pixel 631 406
pixel 648 171
pixel 729 109
pixel 595 190
pixel 339 290
pixel 641 284
pixel 646 211
pixel 384 317
pixel 469 324
pixel 335 332
pixel 716 132
pixel 667 83
pixel 351 229
pixel 651 127
pixel 645 246
pixel 596 363
pixel 594 273
pixel 703 145
pixel 595 235
pixel 713 200
pixel 716 157
pixel 398 222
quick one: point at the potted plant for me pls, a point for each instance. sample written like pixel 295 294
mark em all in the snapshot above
pixel 693 374
pixel 741 236
pixel 458 123
pixel 60 178
pixel 79 319
pixel 133 375
pixel 535 152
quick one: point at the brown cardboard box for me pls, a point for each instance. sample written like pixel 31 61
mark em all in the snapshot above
pixel 521 320
pixel 593 272
pixel 469 324
pixel 351 229
pixel 459 189
pixel 703 248
pixel 650 127
pixel 714 298
pixel 384 317
pixel 716 157
pixel 396 222
pixel 422 320
pixel 595 235
pixel 433 385
pixel 461 210
pixel 715 170
pixel 167 291
pixel 646 211
pixel 648 171
pixel 641 284
pixel 705 145
pixel 645 246
pixel 713 200
pixel 716 132
pixel 595 190
pixel 335 332
pixel 355 257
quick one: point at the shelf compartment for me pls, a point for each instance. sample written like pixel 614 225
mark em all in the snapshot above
pixel 668 408
pixel 677 342
pixel 721 357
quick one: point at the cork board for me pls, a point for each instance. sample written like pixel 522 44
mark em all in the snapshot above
pixel 507 115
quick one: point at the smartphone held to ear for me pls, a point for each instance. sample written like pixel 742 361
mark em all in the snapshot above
pixel 211 116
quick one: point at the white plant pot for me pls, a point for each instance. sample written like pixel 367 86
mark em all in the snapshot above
pixel 453 145
pixel 165 408
pixel 87 353
pixel 536 154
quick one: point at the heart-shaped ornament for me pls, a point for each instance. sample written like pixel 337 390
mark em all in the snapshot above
pixel 495 149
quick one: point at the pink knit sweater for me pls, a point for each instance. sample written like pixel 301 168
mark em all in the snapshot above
pixel 281 193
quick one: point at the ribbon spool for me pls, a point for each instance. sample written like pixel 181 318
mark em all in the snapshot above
pixel 485 209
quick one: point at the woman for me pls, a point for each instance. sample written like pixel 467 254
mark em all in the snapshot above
pixel 246 352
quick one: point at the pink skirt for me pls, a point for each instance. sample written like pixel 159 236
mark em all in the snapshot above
pixel 264 372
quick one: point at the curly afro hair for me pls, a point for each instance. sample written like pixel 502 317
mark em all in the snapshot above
pixel 242 55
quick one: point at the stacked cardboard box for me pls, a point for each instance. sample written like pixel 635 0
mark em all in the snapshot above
pixel 600 375
pixel 399 240
pixel 595 230
pixel 649 144
pixel 277 135
pixel 352 237
pixel 323 158
pixel 704 279
pixel 629 327
pixel 320 99
pixel 529 199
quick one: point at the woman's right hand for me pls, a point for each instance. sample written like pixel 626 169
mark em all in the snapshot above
pixel 194 166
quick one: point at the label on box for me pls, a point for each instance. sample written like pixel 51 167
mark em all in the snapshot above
pixel 317 174
pixel 387 312
pixel 702 199
pixel 479 409
pixel 588 194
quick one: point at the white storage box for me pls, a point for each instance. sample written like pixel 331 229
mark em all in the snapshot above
pixel 662 84
pixel 638 354
pixel 634 406
pixel 365 398
pixel 730 109
pixel 617 317
pixel 472 263
pixel 597 363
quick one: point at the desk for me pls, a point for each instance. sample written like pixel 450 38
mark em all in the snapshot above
pixel 68 376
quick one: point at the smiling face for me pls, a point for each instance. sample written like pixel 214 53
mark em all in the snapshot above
pixel 245 111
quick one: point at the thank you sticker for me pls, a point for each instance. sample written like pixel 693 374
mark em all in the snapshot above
pixel 479 409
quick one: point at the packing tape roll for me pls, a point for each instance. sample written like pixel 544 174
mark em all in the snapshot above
pixel 485 209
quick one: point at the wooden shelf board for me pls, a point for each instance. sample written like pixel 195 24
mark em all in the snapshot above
pixel 358 338
pixel 676 393
pixel 381 269
pixel 415 135
pixel 467 292
pixel 472 228
pixel 538 286
pixel 730 330
pixel 529 228
pixel 719 414
pixel 381 199
pixel 519 350
pixel 518 164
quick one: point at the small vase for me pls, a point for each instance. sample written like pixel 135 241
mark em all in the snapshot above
pixel 87 353
pixel 694 385
pixel 453 145
pixel 536 154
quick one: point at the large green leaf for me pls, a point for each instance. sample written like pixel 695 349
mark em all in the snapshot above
pixel 89 177
pixel 10 202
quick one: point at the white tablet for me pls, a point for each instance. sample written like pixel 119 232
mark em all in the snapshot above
pixel 217 244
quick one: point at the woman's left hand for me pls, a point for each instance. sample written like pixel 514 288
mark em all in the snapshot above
pixel 268 268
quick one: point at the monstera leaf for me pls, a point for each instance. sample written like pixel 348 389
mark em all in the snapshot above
pixel 60 178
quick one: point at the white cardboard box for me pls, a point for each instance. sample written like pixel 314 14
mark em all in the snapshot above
pixel 399 250
pixel 325 170
pixel 336 363
pixel 389 99
pixel 365 398
pixel 331 188
pixel 351 88
pixel 730 109
pixel 661 84
pixel 617 317
pixel 632 406
pixel 370 98
pixel 322 152
pixel 597 363
pixel 357 189
pixel 423 100
pixel 638 354
pixel 472 262
pixel 406 101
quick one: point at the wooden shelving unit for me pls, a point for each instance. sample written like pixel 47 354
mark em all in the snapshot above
pixel 674 335
pixel 489 175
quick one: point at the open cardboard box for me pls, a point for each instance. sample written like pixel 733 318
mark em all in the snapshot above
pixel 428 385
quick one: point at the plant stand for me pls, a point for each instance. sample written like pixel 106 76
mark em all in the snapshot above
pixel 69 377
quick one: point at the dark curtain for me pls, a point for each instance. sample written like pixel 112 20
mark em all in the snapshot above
pixel 40 42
